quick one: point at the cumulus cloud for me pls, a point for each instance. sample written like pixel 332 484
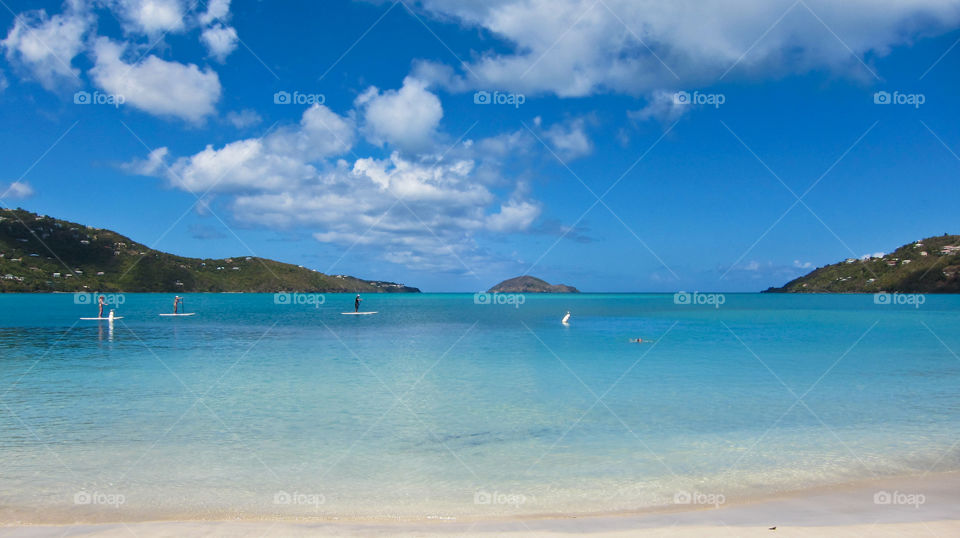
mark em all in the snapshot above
pixel 515 215
pixel 151 17
pixel 216 10
pixel 568 139
pixel 661 106
pixel 44 47
pixel 154 164
pixel 154 85
pixel 243 118
pixel 413 213
pixel 281 159
pixel 220 41
pixel 417 210
pixel 17 190
pixel 406 118
pixel 581 47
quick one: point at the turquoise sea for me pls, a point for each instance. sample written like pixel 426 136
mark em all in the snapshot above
pixel 441 407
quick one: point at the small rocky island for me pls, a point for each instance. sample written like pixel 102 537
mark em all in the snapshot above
pixel 529 284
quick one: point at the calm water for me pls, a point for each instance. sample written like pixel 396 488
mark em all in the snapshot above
pixel 441 407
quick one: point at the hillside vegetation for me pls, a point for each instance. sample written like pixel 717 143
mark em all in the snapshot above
pixel 529 284
pixel 41 253
pixel 930 265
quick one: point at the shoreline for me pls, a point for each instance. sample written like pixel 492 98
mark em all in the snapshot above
pixel 823 511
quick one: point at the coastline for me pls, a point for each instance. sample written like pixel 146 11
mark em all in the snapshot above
pixel 849 509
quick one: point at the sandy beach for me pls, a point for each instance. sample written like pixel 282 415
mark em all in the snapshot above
pixel 912 506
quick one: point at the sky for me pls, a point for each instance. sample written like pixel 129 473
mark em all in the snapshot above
pixel 612 145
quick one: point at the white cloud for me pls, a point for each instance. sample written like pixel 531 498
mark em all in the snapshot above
pixel 406 118
pixel 581 47
pixel 418 214
pixel 216 10
pixel 17 190
pixel 569 140
pixel 154 85
pixel 45 46
pixel 154 164
pixel 515 215
pixel 3 82
pixel 151 16
pixel 244 118
pixel 802 265
pixel 419 211
pixel 661 106
pixel 281 160
pixel 220 41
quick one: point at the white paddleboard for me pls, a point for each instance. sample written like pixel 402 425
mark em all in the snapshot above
pixel 357 313
pixel 178 315
pixel 101 319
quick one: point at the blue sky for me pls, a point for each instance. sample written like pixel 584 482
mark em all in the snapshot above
pixel 388 168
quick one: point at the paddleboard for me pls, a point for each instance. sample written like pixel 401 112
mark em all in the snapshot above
pixel 101 319
pixel 178 315
pixel 357 313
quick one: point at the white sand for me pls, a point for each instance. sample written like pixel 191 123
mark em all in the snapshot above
pixel 836 512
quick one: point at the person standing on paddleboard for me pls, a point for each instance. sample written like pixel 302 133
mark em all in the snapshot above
pixel 356 303
pixel 176 302
pixel 100 302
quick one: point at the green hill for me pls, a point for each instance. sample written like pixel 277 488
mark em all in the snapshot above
pixel 931 265
pixel 529 284
pixel 40 253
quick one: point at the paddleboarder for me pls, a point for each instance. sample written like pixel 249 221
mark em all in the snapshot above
pixel 177 301
pixel 356 303
pixel 101 301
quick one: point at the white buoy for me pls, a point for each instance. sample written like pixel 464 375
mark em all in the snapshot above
pixel 566 319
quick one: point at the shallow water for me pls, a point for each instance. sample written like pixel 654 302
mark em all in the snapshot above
pixel 438 406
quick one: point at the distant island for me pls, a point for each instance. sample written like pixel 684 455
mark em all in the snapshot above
pixel 529 284
pixel 43 254
pixel 930 265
